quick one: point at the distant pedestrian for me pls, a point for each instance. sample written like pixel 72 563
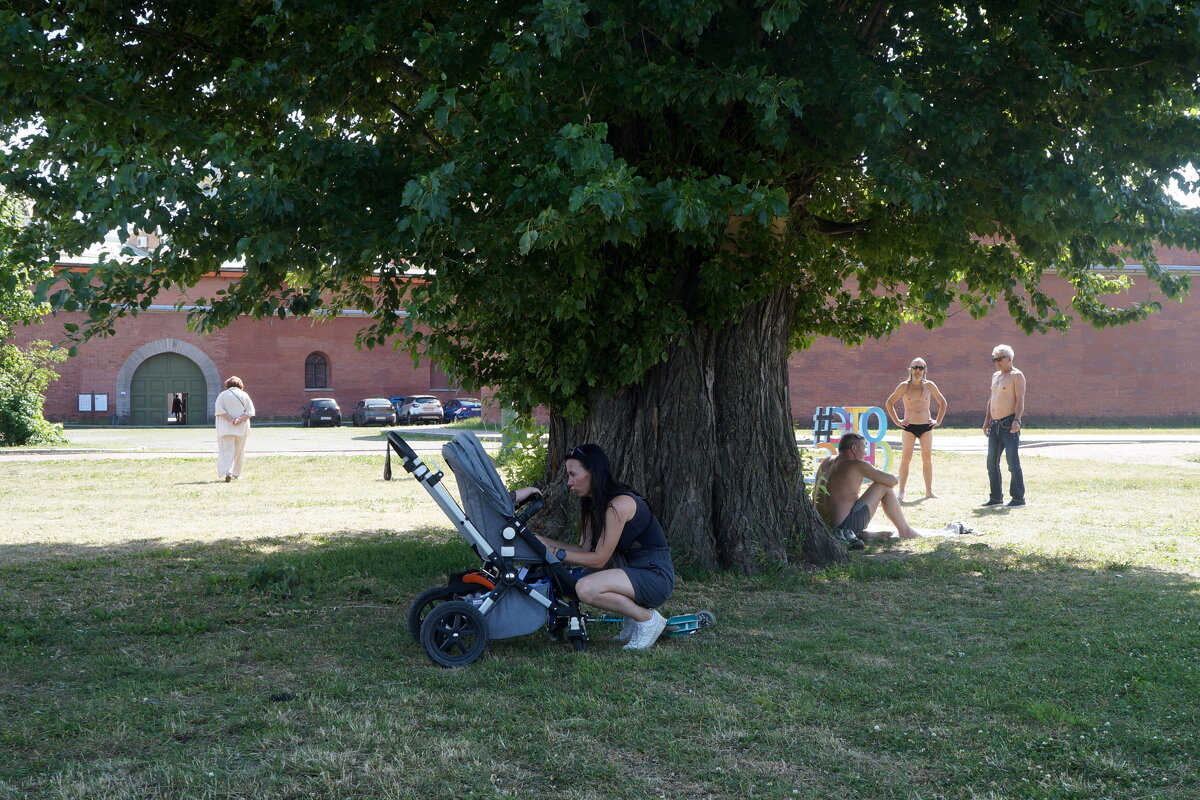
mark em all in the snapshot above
pixel 177 409
pixel 918 422
pixel 234 408
pixel 1002 425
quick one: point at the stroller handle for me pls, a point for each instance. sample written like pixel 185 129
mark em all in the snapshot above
pixel 532 506
pixel 400 446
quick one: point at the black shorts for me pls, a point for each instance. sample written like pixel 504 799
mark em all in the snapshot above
pixel 858 518
pixel 918 429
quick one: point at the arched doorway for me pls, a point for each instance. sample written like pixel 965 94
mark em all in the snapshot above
pixel 168 389
pixel 200 409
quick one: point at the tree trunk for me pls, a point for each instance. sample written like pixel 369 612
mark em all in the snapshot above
pixel 707 437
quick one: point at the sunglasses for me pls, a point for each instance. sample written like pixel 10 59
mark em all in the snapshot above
pixel 998 359
pixel 577 453
pixel 918 366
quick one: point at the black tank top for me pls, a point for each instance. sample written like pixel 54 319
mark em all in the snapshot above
pixel 642 530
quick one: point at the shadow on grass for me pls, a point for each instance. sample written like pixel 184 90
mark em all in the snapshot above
pixel 884 670
pixel 415 560
pixel 380 435
pixel 379 547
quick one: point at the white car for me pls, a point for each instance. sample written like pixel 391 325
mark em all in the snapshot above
pixel 417 408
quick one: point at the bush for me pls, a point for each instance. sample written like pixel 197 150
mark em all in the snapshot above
pixel 522 456
pixel 24 376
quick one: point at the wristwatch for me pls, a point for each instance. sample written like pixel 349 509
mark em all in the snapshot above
pixel 560 554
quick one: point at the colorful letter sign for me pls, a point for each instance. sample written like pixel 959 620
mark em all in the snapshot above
pixel 831 422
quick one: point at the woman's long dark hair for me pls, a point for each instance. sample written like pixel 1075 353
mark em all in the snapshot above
pixel 605 487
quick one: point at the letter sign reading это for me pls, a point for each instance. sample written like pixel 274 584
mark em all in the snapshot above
pixel 830 423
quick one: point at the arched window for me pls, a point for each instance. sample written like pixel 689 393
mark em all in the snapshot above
pixel 316 372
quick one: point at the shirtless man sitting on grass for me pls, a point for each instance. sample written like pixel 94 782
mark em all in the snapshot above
pixel 836 487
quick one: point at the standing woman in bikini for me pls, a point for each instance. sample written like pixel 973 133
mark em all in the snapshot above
pixel 917 423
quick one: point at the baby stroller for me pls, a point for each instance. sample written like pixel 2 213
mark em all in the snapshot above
pixel 520 586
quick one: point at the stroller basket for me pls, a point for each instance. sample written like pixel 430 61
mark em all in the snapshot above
pixel 529 586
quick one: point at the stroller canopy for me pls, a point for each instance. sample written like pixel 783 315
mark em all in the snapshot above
pixel 484 498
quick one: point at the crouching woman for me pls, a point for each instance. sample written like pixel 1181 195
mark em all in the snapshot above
pixel 622 544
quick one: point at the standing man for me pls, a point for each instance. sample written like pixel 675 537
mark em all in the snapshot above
pixel 233 408
pixel 1002 426
pixel 835 494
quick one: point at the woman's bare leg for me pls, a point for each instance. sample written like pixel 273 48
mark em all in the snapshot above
pixel 927 461
pixel 611 590
pixel 905 460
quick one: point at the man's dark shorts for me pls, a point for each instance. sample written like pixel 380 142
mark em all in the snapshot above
pixel 857 519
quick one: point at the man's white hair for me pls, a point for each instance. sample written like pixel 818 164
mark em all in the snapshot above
pixel 1002 350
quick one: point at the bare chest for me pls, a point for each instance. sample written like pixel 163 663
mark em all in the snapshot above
pixel 916 395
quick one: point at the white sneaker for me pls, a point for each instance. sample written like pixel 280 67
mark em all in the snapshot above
pixel 647 633
pixel 628 625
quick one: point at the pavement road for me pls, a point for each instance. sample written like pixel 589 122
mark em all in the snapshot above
pixel 267 439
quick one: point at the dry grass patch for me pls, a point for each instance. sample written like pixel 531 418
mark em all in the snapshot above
pixel 68 507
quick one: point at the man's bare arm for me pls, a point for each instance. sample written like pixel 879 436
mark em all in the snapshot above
pixel 987 413
pixel 1019 394
pixel 876 475
pixel 890 405
pixel 941 401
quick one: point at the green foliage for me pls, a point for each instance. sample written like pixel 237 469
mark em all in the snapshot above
pixel 583 182
pixel 521 459
pixel 17 304
pixel 24 376
pixel 24 373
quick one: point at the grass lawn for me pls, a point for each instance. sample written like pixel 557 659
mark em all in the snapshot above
pixel 163 635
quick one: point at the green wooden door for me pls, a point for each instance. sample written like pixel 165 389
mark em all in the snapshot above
pixel 156 382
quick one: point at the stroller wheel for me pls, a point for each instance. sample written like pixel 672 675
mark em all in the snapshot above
pixel 423 603
pixel 556 629
pixel 454 634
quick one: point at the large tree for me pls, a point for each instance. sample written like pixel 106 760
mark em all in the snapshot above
pixel 629 213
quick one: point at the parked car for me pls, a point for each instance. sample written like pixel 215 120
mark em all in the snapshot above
pixel 373 410
pixel 411 409
pixel 321 411
pixel 461 408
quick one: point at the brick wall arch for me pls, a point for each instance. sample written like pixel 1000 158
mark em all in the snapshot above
pixel 212 378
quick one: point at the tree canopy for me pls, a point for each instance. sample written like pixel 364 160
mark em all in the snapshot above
pixel 569 170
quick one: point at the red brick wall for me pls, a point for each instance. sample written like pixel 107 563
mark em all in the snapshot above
pixel 1146 371
pixel 268 355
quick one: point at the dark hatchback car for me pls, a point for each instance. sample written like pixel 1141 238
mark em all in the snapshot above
pixel 461 408
pixel 373 411
pixel 321 411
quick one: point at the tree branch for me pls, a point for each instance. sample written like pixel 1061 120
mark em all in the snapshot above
pixel 413 124
pixel 870 26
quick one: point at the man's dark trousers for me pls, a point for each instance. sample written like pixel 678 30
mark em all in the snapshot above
pixel 1001 439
